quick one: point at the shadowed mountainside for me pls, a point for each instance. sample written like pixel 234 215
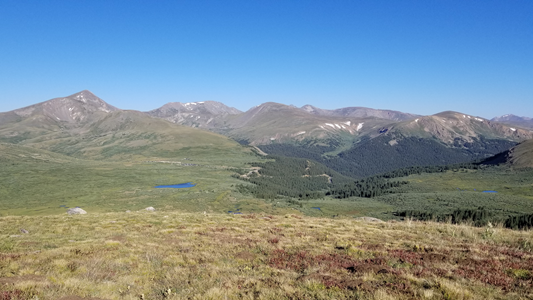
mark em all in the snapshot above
pixel 520 156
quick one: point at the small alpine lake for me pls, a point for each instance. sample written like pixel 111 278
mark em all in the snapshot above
pixel 176 186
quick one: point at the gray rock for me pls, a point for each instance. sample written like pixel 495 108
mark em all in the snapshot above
pixel 149 208
pixel 24 230
pixel 369 219
pixel 76 211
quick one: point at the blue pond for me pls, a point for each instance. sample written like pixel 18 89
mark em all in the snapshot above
pixel 489 192
pixel 176 186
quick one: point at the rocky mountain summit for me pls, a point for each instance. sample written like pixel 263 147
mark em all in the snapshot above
pixel 514 120
pixel 75 108
pixel 205 114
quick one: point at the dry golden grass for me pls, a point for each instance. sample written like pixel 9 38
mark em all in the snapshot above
pixel 174 255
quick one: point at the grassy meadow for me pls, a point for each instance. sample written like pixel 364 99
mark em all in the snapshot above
pixel 445 192
pixel 36 182
pixel 170 254
pixel 192 248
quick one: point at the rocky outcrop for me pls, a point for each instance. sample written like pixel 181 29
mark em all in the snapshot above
pixel 76 211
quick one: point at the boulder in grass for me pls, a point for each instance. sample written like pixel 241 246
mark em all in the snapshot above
pixel 149 208
pixel 76 211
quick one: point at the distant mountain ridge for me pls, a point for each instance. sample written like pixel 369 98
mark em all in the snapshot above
pixel 205 114
pixel 514 120
pixel 361 112
pixel 451 127
pixel 279 123
pixel 273 122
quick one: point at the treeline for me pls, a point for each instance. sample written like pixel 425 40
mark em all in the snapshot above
pixel 378 185
pixel 520 222
pixel 431 169
pixel 476 217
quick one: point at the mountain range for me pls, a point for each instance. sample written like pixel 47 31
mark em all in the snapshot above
pixel 83 125
pixel 355 141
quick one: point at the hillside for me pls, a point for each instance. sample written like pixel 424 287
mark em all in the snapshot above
pixel 61 116
pixel 174 255
pixel 82 125
pixel 520 156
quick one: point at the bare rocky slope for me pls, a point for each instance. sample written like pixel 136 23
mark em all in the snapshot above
pixel 453 127
pixel 206 114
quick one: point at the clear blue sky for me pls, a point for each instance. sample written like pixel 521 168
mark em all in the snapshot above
pixel 417 56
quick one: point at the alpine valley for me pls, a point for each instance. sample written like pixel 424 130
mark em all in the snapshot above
pixel 81 151
pixel 278 202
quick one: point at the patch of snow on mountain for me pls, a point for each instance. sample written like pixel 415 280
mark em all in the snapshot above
pixel 343 127
pixel 301 132
pixel 337 125
pixel 416 120
pixel 478 119
pixel 348 123
pixel 359 126
pixel 330 125
pixel 513 129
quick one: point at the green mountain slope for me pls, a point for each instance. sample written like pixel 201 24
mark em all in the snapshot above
pixel 520 156
pixel 82 125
